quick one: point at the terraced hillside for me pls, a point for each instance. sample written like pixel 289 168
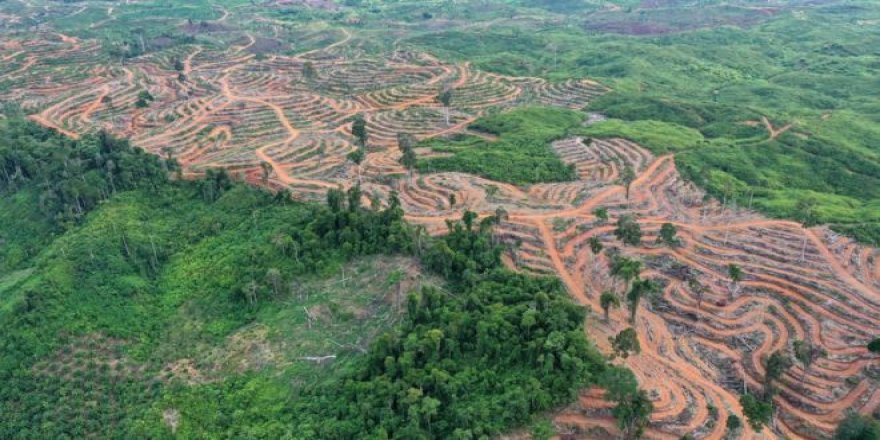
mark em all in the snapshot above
pixel 287 121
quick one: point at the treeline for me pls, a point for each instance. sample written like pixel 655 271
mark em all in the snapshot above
pixel 72 176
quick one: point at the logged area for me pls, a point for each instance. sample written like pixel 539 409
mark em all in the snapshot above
pixel 478 219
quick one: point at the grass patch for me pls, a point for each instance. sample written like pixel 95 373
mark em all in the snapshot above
pixel 522 152
pixel 659 137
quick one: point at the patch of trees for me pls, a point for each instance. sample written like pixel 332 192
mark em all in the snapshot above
pixel 73 176
pixel 466 363
pixel 858 427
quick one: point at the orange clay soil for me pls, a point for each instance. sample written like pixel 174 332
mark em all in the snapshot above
pixel 234 111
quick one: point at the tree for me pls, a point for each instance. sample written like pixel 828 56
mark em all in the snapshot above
pixel 309 72
pixel 633 415
pixel 757 411
pixel 144 98
pixel 667 235
pixel 775 366
pixel 595 245
pixel 601 215
pixel 501 215
pixel 266 167
pixel 608 300
pixel 857 427
pixel 736 275
pixel 357 157
pixel 452 199
pixel 628 230
pixel 806 353
pixel 406 143
pixel 625 343
pixel 445 98
pixel 359 130
pixel 627 176
pixel 178 66
pixel 633 406
pixel 626 269
pixel 145 95
pixel 640 288
pixel 874 346
pixel 699 289
pixel 733 423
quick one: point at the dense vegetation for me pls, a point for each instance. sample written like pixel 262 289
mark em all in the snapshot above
pixel 157 272
pixel 520 155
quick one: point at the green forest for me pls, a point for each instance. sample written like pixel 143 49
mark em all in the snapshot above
pixel 105 285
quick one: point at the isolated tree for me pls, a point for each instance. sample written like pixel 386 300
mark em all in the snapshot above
pixel 452 200
pixel 359 130
pixel 357 157
pixel 144 98
pixel 145 95
pixel 627 176
pixel 628 230
pixel 775 366
pixel 626 269
pixel 757 412
pixel 408 160
pixel 874 346
pixel 736 275
pixel 266 168
pixel 699 289
pixel 667 235
pixel 445 98
pixel 601 215
pixel 607 300
pixel 107 100
pixel 733 423
pixel 640 288
pixel 309 72
pixel 806 353
pixel 178 65
pixel 406 142
pixel 595 245
pixel 625 343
